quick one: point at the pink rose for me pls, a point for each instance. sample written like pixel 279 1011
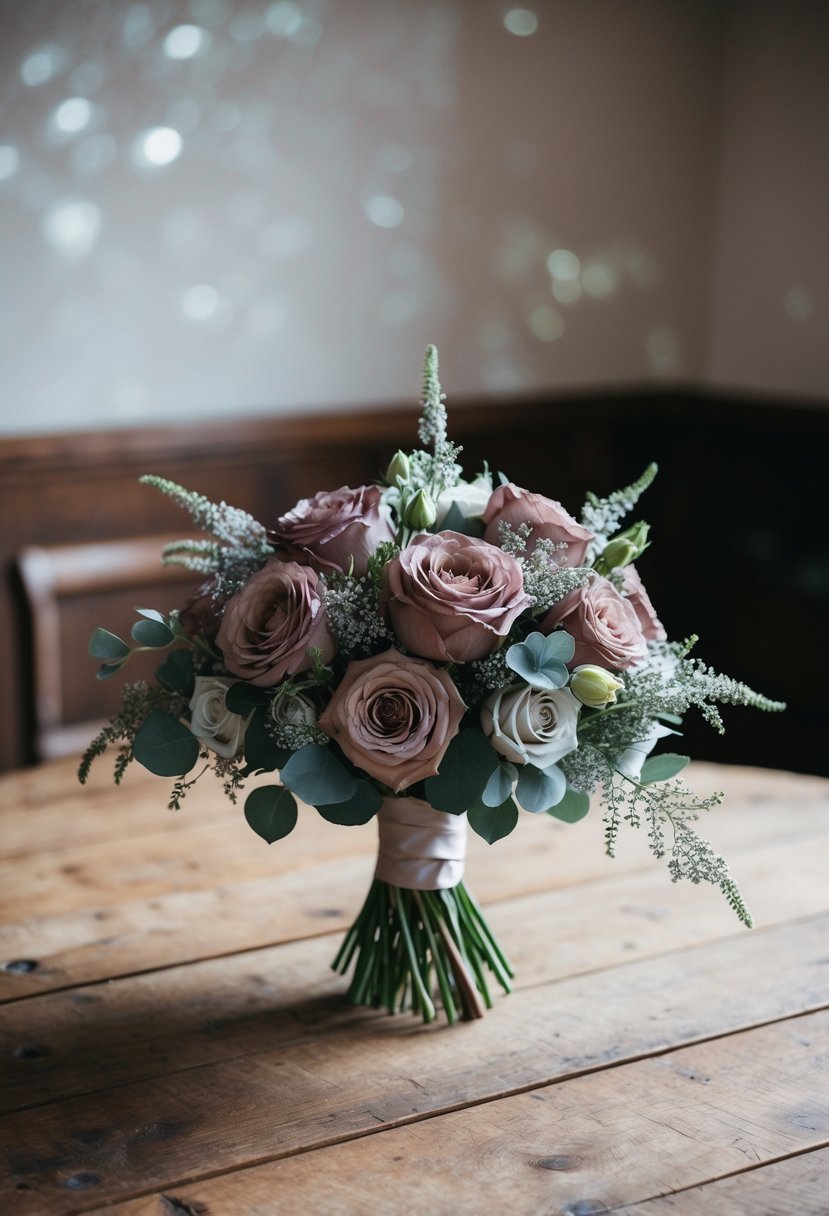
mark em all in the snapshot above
pixel 453 597
pixel 271 622
pixel 548 519
pixel 202 610
pixel 603 623
pixel 635 593
pixel 394 717
pixel 335 528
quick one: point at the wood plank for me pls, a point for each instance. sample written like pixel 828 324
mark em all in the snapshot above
pixel 74 1041
pixel 36 804
pixel 796 1186
pixel 163 898
pixel 347 1076
pixel 584 1145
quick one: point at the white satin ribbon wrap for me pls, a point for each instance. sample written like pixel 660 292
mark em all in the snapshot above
pixel 420 848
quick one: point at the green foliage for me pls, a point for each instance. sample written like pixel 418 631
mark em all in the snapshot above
pixel 573 806
pixel 363 805
pixel 499 787
pixel 317 777
pixel 467 766
pixel 493 822
pixel 603 515
pixel 271 811
pixel 538 789
pixel 541 661
pixel 663 767
pixel 177 673
pixel 164 745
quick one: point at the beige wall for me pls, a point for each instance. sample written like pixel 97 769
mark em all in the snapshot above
pixel 769 296
pixel 355 178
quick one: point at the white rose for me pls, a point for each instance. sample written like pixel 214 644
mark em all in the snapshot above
pixel 294 710
pixel 470 498
pixel 531 725
pixel 211 721
pixel 631 760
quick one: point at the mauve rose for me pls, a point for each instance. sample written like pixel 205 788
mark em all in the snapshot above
pixel 271 622
pixel 394 717
pixel 335 528
pixel 452 597
pixel 604 625
pixel 548 519
pixel 635 593
pixel 202 611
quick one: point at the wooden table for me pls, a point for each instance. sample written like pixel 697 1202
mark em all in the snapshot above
pixel 173 1040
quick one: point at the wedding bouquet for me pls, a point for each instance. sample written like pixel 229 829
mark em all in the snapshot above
pixel 434 652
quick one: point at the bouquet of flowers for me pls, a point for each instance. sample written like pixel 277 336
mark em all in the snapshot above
pixel 434 652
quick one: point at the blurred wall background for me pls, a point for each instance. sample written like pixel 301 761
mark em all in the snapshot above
pixel 213 207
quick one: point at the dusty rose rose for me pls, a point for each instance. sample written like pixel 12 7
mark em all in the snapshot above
pixel 453 597
pixel 547 518
pixel 335 527
pixel 604 624
pixel 202 611
pixel 635 593
pixel 269 624
pixel 394 717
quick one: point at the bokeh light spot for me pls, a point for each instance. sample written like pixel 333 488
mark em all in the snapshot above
pixel 566 291
pixel 798 304
pixel 42 65
pixel 546 323
pixel 9 161
pixel 157 147
pixel 284 19
pixel 72 226
pixel 564 265
pixel 520 21
pixel 384 211
pixel 185 41
pixel 599 279
pixel 73 115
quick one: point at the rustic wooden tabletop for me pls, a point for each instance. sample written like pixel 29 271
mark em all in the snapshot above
pixel 174 1042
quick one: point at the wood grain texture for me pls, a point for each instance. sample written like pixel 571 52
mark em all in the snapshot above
pixel 187 1049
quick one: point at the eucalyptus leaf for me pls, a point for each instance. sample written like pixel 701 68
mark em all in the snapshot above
pixel 176 672
pixel 271 811
pixel 261 751
pixel 154 634
pixel 540 789
pixel 107 646
pixel 538 659
pixel 151 614
pixel 455 521
pixel 499 786
pixel 362 806
pixel 493 822
pixel 467 766
pixel 106 670
pixel 242 697
pixel 165 746
pixel 662 768
pixel 574 806
pixel 317 777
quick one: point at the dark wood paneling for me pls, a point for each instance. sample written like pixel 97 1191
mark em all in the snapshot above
pixel 738 553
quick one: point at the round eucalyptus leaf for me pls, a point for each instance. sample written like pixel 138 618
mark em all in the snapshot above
pixel 317 776
pixel 539 789
pixel 467 766
pixel 493 822
pixel 271 811
pixel 165 746
pixel 574 806
pixel 154 634
pixel 362 806
pixel 662 768
pixel 107 646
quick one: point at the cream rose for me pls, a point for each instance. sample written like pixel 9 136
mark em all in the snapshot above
pixel 453 597
pixel 211 721
pixel 531 725
pixel 547 518
pixel 272 622
pixel 394 717
pixel 470 497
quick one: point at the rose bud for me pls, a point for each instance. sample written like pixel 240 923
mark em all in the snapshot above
pixel 594 686
pixel 420 511
pixel 399 470
pixel 624 548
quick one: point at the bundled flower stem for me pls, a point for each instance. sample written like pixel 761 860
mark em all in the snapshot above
pixel 408 944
